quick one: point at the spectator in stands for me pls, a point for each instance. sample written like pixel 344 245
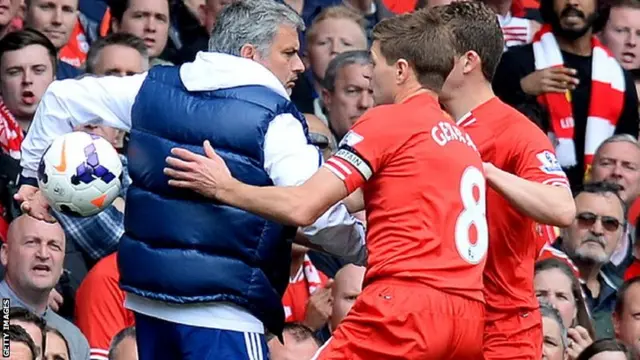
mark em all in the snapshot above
pixel 561 72
pixel 589 242
pixel 617 160
pixel 100 312
pixel 625 316
pixel 347 92
pixel 57 347
pixel 299 344
pixel 335 30
pixel 123 346
pixel 118 54
pixel 373 11
pixel 21 346
pixel 34 325
pixel 555 334
pixel 209 13
pixel 516 29
pixel 56 20
pixel 621 33
pixel 346 288
pixel 307 299
pixel 10 9
pixel 607 349
pixel 556 285
pixel 33 257
pixel 146 19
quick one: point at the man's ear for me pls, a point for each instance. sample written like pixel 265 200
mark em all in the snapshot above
pixel 115 26
pixel 326 97
pixel 248 51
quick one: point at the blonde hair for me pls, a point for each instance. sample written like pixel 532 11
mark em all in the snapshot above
pixel 336 12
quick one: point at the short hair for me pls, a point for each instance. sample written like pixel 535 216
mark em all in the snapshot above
pixel 422 39
pixel 622 294
pixel 18 40
pixel 253 22
pixel 548 311
pixel 603 345
pixel 476 28
pixel 122 39
pixel 341 61
pixel 336 12
pixel 601 188
pixel 615 139
pixel 300 332
pixel 18 334
pixel 53 330
pixel 25 315
pixel 582 311
pixel 117 8
pixel 129 332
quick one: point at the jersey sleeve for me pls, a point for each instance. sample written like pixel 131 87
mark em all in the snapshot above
pixel 536 160
pixel 360 154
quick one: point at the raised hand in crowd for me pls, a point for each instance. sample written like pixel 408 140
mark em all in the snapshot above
pixel 319 307
pixel 33 202
pixel 579 340
pixel 553 79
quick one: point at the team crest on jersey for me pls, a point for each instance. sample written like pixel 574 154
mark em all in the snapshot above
pixel 549 163
pixel 351 138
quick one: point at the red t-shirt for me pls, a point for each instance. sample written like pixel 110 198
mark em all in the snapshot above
pixel 100 312
pixel 510 141
pixel 421 178
pixel 633 270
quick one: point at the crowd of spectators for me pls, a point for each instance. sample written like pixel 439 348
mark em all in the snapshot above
pixel 62 278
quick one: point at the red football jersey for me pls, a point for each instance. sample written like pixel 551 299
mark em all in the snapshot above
pixel 513 143
pixel 424 190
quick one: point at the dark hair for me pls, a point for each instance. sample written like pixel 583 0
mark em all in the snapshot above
pixel 603 345
pixel 50 329
pixel 622 294
pixel 129 332
pixel 25 315
pixel 342 60
pixel 122 39
pixel 300 332
pixel 602 187
pixel 582 312
pixel 422 39
pixel 117 8
pixel 18 334
pixel 17 40
pixel 476 28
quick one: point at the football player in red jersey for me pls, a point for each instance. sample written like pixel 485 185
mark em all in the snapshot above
pixel 526 183
pixel 424 193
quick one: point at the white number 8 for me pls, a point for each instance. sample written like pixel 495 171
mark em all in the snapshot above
pixel 474 213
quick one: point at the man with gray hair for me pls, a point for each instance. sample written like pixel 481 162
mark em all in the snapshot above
pixel 347 91
pixel 204 280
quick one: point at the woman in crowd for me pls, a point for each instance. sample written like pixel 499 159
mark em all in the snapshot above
pixel 555 341
pixel 556 284
pixel 56 347
pixel 607 349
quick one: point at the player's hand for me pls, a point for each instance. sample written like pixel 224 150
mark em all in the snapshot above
pixel 205 175
pixel 579 339
pixel 55 300
pixel 554 79
pixel 319 307
pixel 33 202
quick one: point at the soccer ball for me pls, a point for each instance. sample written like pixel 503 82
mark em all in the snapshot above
pixel 80 174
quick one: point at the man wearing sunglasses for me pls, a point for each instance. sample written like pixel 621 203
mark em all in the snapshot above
pixel 589 241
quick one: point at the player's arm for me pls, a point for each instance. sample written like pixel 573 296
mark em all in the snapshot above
pixel 72 102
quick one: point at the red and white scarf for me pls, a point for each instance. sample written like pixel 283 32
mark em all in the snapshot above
pixel 11 135
pixel 311 275
pixel 605 104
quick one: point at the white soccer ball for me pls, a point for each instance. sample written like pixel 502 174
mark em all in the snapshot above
pixel 80 174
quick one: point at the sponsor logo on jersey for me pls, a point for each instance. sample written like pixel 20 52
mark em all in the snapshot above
pixel 356 161
pixel 549 163
pixel 351 139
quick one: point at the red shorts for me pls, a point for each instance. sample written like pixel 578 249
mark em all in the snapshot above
pixel 395 319
pixel 515 337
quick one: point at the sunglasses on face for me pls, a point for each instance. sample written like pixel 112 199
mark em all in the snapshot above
pixel 319 140
pixel 588 219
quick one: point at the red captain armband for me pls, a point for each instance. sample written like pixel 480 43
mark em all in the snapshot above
pixel 346 162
